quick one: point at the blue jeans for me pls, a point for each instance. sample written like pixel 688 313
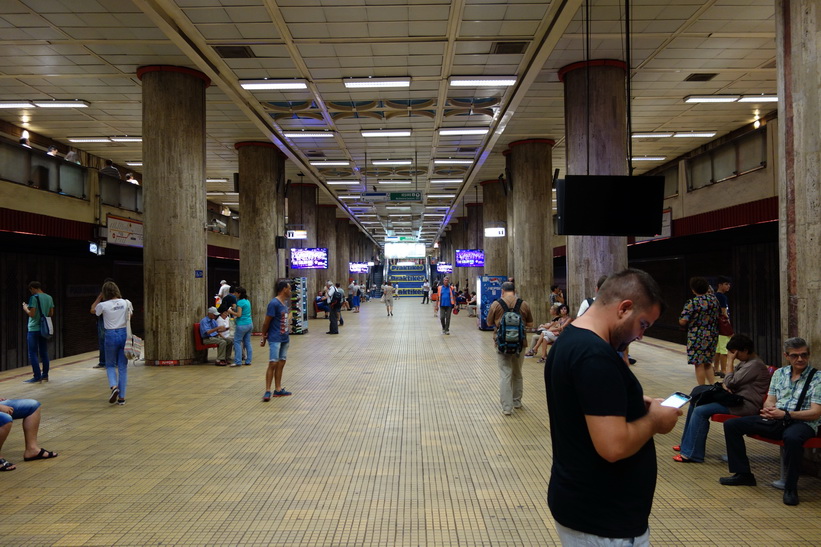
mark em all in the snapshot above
pixel 694 439
pixel 23 408
pixel 38 344
pixel 115 360
pixel 242 336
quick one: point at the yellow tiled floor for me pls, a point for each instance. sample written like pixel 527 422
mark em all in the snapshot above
pixel 393 436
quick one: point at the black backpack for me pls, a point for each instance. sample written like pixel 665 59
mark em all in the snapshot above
pixel 510 336
pixel 336 299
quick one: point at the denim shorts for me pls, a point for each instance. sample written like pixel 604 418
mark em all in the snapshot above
pixel 23 408
pixel 277 351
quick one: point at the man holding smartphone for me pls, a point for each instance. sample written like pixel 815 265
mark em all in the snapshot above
pixel 601 423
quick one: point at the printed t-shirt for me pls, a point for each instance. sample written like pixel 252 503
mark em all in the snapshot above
pixel 278 329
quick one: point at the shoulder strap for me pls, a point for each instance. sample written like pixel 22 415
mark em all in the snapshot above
pixel 806 388
pixel 502 303
pixel 518 306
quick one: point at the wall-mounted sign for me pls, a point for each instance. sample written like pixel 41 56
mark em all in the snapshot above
pixel 124 231
pixel 296 234
pixel 495 232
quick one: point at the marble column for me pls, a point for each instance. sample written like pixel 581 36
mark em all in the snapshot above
pixel 261 173
pixel 343 249
pixel 532 229
pixel 326 237
pixel 596 144
pixel 175 251
pixel 494 213
pixel 475 238
pixel 302 215
pixel 511 243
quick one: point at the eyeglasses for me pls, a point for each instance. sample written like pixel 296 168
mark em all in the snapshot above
pixel 804 355
pixel 644 324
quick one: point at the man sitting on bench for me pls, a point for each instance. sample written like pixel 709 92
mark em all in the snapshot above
pixel 791 414
pixel 210 332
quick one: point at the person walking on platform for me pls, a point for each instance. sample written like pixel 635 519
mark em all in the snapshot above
pixel 101 335
pixel 700 316
pixel 115 311
pixel 334 297
pixel 276 331
pixel 39 305
pixel 425 292
pixel 604 470
pixel 245 324
pixel 509 353
pixel 447 300
pixel 388 292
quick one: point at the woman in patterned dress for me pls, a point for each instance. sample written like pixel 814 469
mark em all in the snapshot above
pixel 700 316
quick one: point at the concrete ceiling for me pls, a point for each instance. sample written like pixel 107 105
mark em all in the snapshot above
pixel 91 49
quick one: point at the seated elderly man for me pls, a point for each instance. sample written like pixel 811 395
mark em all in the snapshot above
pixel 791 413
pixel 210 331
pixel 27 410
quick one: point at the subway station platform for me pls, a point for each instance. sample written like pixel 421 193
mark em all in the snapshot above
pixel 393 436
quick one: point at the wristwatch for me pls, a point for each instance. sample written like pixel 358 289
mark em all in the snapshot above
pixel 787 416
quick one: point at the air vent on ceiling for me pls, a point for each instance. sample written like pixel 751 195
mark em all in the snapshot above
pixel 315 154
pixel 234 52
pixel 700 77
pixel 466 149
pixel 508 48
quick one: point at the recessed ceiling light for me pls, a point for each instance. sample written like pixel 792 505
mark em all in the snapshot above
pixel 464 131
pixel 341 182
pixel 394 181
pixel 696 134
pixel 376 82
pixel 392 162
pixel 333 163
pixel 446 181
pixel 386 133
pixel 16 104
pixel 649 158
pixel 254 85
pixel 216 180
pixel 711 98
pixel 309 134
pixel 452 161
pixel 758 99
pixel 61 104
pixel 652 135
pixel 89 139
pixel 126 139
pixel 482 81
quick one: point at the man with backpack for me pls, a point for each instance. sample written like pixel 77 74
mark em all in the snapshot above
pixel 334 296
pixel 511 317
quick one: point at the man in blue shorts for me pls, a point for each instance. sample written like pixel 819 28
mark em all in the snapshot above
pixel 275 330
pixel 27 410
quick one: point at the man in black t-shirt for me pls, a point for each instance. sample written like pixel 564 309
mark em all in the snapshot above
pixel 601 424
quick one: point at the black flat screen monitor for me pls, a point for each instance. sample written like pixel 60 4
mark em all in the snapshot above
pixel 309 259
pixel 609 205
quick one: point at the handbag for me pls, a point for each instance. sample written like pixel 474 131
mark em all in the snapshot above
pixel 716 394
pixel 46 326
pixel 725 328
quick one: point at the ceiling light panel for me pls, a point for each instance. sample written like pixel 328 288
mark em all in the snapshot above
pixel 482 81
pixel 259 85
pixel 353 83
pixel 386 133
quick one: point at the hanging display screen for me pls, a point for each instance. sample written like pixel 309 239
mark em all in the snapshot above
pixel 358 267
pixel 444 267
pixel 470 258
pixel 309 259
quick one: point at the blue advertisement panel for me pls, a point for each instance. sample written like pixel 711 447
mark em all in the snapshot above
pixel 488 290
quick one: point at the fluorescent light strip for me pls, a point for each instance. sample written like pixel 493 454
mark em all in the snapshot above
pixel 376 82
pixel 441 196
pixel 264 84
pixel 649 158
pixel 434 214
pixel 465 131
pixel 231 203
pixel 89 139
pixel 61 104
pixel 126 139
pixel 758 99
pixel 135 163
pixel 651 135
pixel 394 181
pixel 711 98
pixel 348 197
pixel 387 133
pixel 452 161
pixel 216 180
pixel 309 134
pixel 446 181
pixel 341 182
pixel 482 81
pixel 696 134
pixel 398 208
pixel 16 104
pixel 392 162
pixel 331 163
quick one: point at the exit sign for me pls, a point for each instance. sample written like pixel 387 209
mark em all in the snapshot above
pixel 406 196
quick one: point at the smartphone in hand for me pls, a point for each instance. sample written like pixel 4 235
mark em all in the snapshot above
pixel 676 400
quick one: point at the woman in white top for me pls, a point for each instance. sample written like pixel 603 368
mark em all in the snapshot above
pixel 115 311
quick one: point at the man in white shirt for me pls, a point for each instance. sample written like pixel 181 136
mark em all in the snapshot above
pixel 425 292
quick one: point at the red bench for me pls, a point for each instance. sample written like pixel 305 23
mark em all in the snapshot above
pixel 198 344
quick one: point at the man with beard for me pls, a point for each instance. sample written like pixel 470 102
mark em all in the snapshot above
pixel 602 426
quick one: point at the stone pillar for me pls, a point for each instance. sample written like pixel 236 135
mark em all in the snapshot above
pixel 475 238
pixel 511 243
pixel 460 234
pixel 302 213
pixel 494 213
pixel 326 237
pixel 596 144
pixel 174 252
pixel 343 249
pixel 532 230
pixel 261 173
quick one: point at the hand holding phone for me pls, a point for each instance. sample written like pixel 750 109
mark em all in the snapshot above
pixel 676 400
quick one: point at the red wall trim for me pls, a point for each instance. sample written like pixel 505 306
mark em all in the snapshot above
pixel 755 212
pixel 596 62
pixel 22 222
pixel 215 251
pixel 169 68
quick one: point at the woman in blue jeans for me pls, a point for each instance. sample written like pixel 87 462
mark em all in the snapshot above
pixel 750 379
pixel 115 311
pixel 244 323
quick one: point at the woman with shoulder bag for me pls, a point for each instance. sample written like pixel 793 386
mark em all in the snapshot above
pixel 745 387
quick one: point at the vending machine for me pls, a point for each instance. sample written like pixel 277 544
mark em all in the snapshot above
pixel 299 305
pixel 488 290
